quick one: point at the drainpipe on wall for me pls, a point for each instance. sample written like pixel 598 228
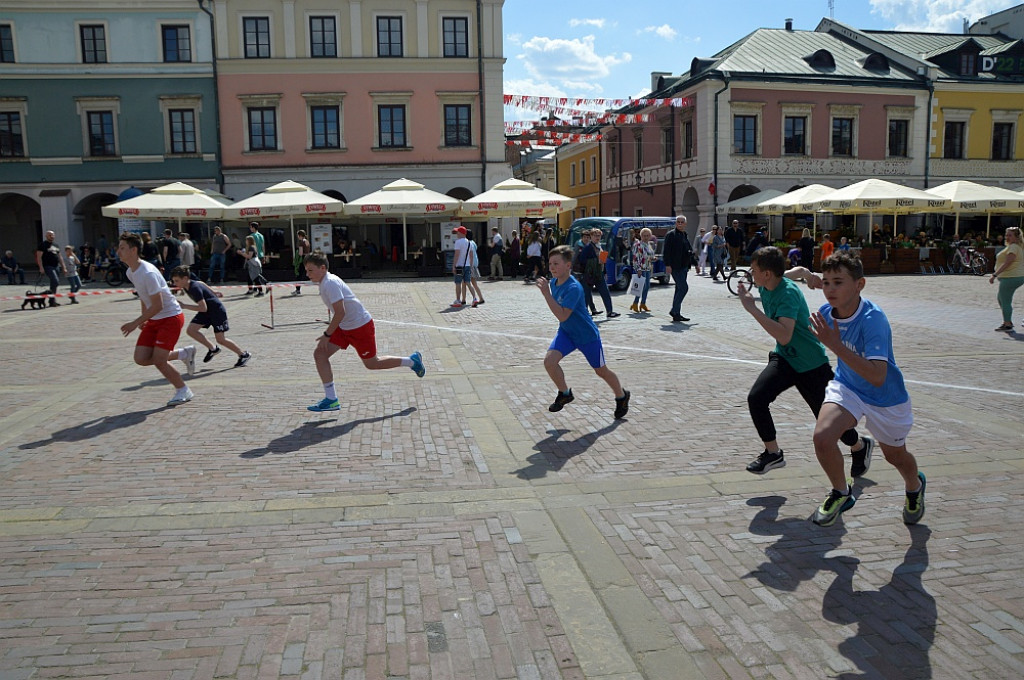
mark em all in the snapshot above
pixel 216 89
pixel 483 103
pixel 672 123
pixel 618 170
pixel 725 86
pixel 928 139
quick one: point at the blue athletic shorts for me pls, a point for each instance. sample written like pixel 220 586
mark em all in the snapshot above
pixel 593 351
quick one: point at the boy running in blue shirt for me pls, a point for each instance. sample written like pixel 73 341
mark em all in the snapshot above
pixel 576 330
pixel 867 384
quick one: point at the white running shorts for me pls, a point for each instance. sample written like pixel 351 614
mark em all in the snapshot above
pixel 889 425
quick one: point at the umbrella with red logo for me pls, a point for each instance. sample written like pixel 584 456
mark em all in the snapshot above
pixel 285 199
pixel 175 201
pixel 403 197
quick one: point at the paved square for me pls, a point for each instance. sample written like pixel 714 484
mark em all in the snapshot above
pixel 451 527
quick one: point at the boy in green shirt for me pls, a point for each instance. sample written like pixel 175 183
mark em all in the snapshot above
pixel 798 360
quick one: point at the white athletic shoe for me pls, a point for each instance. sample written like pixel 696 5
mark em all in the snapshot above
pixel 188 355
pixel 181 396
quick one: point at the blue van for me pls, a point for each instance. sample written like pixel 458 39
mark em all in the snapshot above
pixel 615 232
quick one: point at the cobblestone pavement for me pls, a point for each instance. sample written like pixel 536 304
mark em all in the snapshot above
pixel 451 527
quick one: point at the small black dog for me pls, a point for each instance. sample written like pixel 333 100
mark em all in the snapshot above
pixel 34 300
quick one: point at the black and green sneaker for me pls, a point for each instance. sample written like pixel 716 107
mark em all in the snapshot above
pixel 833 506
pixel 913 509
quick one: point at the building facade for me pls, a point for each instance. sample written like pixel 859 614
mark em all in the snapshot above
pixel 579 174
pixel 96 97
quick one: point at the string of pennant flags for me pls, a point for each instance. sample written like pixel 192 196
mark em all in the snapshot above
pixel 586 106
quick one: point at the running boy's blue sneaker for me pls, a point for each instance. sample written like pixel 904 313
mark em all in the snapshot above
pixel 417 364
pixel 325 404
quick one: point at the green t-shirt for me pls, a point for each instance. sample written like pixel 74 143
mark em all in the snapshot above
pixel 804 352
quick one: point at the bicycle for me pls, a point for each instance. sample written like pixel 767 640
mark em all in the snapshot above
pixel 116 275
pixel 739 274
pixel 965 258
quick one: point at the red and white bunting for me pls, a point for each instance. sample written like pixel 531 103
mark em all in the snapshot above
pixel 584 107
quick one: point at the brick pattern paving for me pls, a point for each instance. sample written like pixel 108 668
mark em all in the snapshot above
pixel 451 527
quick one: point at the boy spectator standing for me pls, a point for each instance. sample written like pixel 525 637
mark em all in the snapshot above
pixel 798 359
pixel 868 384
pixel 351 325
pixel 576 330
pixel 211 312
pixel 160 322
pixel 48 259
pixel 9 265
pixel 302 248
pixel 71 264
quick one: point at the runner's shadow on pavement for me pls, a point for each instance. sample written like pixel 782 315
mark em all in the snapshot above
pixel 187 378
pixel 553 452
pixel 895 624
pixel 315 432
pixel 94 428
pixel 799 553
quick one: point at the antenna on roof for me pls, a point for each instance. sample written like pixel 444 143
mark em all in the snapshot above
pixel 831 9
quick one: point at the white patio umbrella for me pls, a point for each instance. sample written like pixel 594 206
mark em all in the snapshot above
pixel 516 198
pixel 746 204
pixel 285 199
pixel 174 201
pixel 970 197
pixel 794 202
pixel 872 196
pixel 403 197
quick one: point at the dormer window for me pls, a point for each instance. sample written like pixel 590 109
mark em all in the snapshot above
pixel 968 64
pixel 876 62
pixel 821 60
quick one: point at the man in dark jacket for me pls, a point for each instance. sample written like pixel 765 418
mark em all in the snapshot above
pixel 734 241
pixel 677 254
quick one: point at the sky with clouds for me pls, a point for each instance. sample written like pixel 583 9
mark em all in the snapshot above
pixel 608 49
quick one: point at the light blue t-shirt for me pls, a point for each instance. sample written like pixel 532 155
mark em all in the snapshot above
pixel 869 334
pixel 579 326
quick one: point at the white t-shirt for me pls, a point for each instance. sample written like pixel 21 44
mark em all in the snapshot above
pixel 460 258
pixel 534 249
pixel 333 289
pixel 148 282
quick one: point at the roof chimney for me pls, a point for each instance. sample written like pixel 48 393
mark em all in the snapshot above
pixel 789 24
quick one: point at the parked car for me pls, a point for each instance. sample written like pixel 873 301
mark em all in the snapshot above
pixel 615 231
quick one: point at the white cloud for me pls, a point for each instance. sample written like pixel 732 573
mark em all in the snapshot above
pixel 567 63
pixel 941 16
pixel 664 31
pixel 533 88
pixel 596 23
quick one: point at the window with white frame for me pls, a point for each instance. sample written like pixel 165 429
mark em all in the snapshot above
pixel 572 174
pixel 638 149
pixel 261 122
pixel 256 37
pixel 7 44
pixel 458 125
pixel 899 127
pixel 325 130
pixel 389 36
pixel 99 117
pixel 12 128
pixel 1004 133
pixel 746 128
pixel 593 168
pixel 455 36
pixel 92 40
pixel 796 128
pixel 687 145
pixel 177 43
pixel 181 124
pixel 583 171
pixel 844 129
pixel 668 141
pixel 323 37
pixel 955 129
pixel 391 120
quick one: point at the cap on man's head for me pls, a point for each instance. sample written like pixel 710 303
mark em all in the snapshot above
pixel 459 230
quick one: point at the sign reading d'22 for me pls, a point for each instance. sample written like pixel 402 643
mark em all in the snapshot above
pixel 1003 65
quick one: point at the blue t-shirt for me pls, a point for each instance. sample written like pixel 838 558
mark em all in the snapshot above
pixel 869 334
pixel 199 291
pixel 580 328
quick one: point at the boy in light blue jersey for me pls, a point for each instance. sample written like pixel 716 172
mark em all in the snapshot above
pixel 867 384
pixel 576 330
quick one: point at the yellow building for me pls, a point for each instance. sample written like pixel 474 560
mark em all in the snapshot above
pixel 578 170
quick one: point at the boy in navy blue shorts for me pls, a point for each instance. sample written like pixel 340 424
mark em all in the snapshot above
pixel 211 312
pixel 868 384
pixel 576 330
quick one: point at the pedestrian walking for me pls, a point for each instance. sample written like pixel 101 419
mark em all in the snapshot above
pixel 350 325
pixel 253 268
pixel 219 246
pixel 302 248
pixel 576 330
pixel 643 266
pixel 497 250
pixel 678 254
pixel 71 265
pixel 462 266
pixel 1009 270
pixel 48 260
pixel 160 322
